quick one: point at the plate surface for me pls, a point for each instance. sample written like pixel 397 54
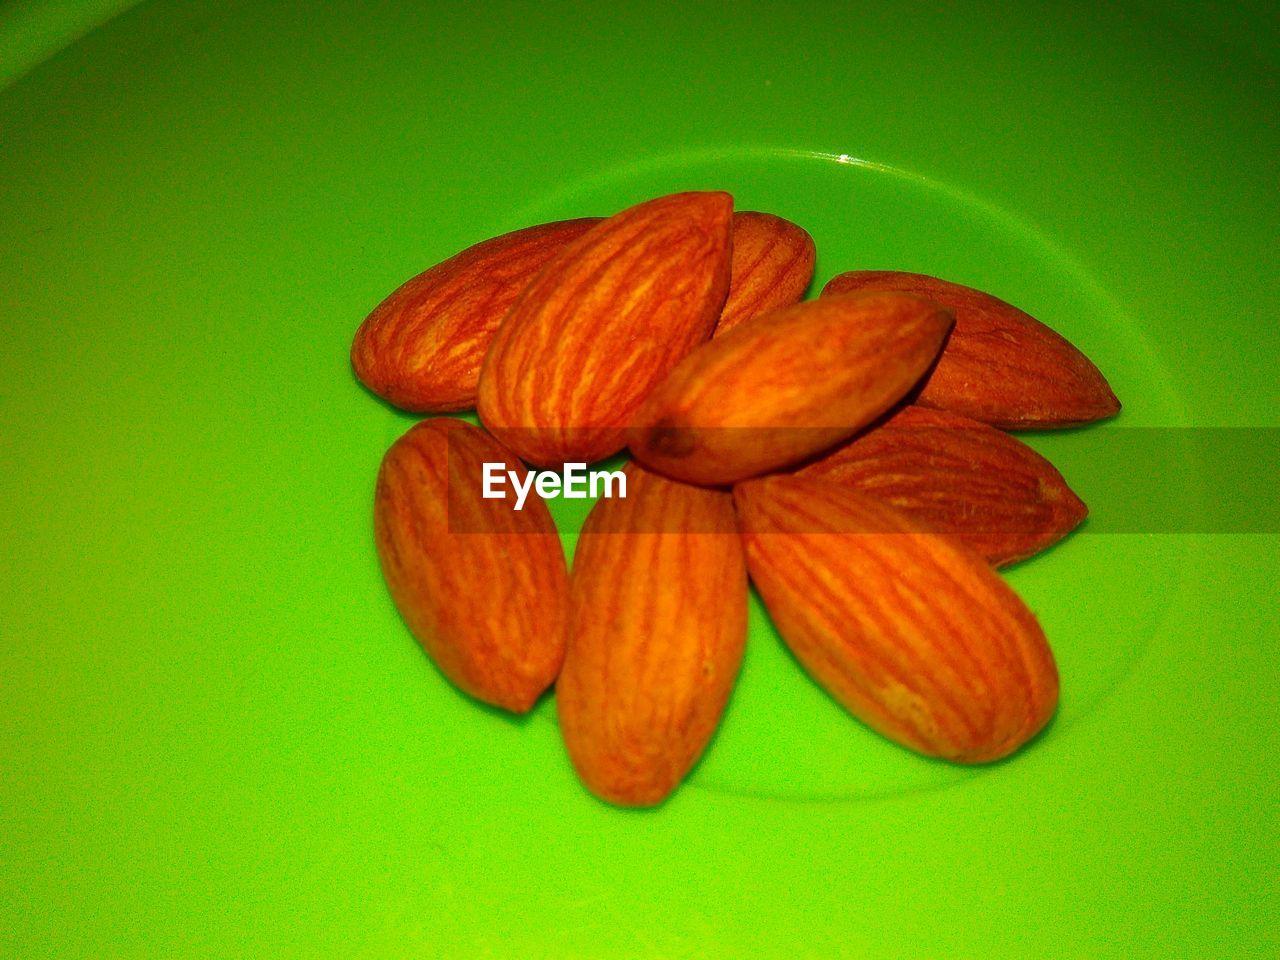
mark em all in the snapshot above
pixel 219 740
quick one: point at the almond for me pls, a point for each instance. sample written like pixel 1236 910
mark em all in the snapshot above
pixel 1000 365
pixel 771 267
pixel 657 632
pixel 786 385
pixel 910 631
pixel 958 476
pixel 607 319
pixel 421 348
pixel 484 588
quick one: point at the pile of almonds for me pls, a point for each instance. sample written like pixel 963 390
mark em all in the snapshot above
pixel 846 453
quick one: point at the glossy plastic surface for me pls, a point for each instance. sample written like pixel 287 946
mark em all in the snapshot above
pixel 218 739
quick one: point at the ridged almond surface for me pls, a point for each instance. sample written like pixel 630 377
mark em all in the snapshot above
pixel 483 587
pixel 607 319
pixel 659 621
pixel 771 267
pixel 912 632
pixel 958 476
pixel 421 348
pixel 1000 365
pixel 786 385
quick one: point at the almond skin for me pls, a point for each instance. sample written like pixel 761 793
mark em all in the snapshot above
pixel 958 476
pixel 1000 365
pixel 421 348
pixel 786 385
pixel 483 587
pixel 771 267
pixel 607 319
pixel 911 632
pixel 657 632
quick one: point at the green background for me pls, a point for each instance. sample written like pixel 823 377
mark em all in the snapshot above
pixel 217 738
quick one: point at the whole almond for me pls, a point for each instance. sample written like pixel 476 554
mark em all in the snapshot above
pixel 1000 365
pixel 771 267
pixel 912 632
pixel 607 319
pixel 958 476
pixel 659 621
pixel 483 587
pixel 786 385
pixel 421 348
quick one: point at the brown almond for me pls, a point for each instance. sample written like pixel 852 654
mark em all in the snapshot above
pixel 483 587
pixel 658 626
pixel 771 267
pixel 421 348
pixel 912 632
pixel 607 319
pixel 958 476
pixel 786 385
pixel 1000 365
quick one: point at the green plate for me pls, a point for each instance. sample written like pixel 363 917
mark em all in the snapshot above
pixel 218 739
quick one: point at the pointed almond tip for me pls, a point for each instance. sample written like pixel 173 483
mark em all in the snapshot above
pixel 944 317
pixel 835 285
pixel 1091 407
pixel 624 801
pixel 718 201
pixel 714 204
pixel 514 695
pixel 360 360
pixel 721 198
pixel 1072 503
pixel 519 703
pixel 1111 405
pixel 627 796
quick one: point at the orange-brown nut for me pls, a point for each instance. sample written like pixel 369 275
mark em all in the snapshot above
pixel 658 626
pixel 956 475
pixel 421 348
pixel 912 632
pixel 483 587
pixel 1000 365
pixel 607 319
pixel 786 385
pixel 771 267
